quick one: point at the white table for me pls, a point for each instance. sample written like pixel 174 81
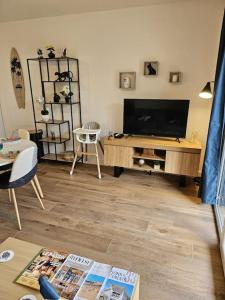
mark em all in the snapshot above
pixel 14 146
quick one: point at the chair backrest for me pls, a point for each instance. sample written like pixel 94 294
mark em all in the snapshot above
pixel 91 125
pixel 24 163
pixel 24 134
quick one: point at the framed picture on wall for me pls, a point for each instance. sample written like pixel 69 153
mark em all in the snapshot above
pixel 151 68
pixel 175 77
pixel 127 80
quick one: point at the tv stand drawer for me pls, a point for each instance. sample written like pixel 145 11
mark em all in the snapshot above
pixel 118 156
pixel 182 163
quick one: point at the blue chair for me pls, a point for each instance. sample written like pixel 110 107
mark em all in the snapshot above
pixel 23 171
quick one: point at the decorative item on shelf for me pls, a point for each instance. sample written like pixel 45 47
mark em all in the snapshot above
pixel 175 77
pixel 56 98
pixel 118 135
pixel 111 135
pixel 68 97
pixel 156 165
pixel 127 80
pixel 151 68
pixel 40 100
pixel 40 53
pixel 68 155
pixel 45 114
pixel 66 93
pixel 141 162
pixel 51 50
pixel 64 53
pixel 149 152
pixel 53 135
pixel 17 78
pixel 63 76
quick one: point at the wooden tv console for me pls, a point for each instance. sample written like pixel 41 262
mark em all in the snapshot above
pixel 173 157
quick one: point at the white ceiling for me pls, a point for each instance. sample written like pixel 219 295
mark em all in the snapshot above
pixel 13 10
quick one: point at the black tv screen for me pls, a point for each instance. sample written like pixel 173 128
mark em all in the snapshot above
pixel 153 117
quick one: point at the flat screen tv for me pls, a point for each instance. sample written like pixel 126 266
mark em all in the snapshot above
pixel 154 117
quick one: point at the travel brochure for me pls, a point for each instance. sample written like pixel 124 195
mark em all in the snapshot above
pixel 79 278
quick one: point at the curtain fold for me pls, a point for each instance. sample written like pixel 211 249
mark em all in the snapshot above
pixel 215 141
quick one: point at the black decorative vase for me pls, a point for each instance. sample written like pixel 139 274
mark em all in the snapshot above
pixel 67 99
pixel 51 54
pixel 56 98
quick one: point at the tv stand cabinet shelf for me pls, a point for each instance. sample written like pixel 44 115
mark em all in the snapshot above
pixel 180 158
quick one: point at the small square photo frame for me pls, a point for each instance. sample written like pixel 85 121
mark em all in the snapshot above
pixel 151 68
pixel 175 77
pixel 127 80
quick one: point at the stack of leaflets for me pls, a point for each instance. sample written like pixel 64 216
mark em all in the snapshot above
pixel 79 278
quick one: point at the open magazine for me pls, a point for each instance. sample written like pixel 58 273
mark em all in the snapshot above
pixel 71 275
pixel 92 285
pixel 47 262
pixel 120 285
pixel 78 278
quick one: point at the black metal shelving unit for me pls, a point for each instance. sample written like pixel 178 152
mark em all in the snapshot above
pixel 60 64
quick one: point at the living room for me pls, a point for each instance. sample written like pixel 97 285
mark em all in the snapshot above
pixel 79 81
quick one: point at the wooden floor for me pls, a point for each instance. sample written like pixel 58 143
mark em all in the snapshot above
pixel 140 222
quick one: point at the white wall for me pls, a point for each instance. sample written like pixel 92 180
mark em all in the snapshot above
pixel 182 36
pixel 2 127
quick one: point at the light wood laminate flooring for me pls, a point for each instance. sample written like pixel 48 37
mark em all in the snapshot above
pixel 141 222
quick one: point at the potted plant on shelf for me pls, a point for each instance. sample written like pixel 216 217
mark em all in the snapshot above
pixel 66 92
pixel 45 114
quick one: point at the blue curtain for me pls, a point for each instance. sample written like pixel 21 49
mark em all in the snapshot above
pixel 211 166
